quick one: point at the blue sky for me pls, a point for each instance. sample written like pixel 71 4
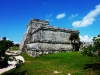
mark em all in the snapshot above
pixel 83 15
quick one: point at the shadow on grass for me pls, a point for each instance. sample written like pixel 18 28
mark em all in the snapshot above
pixel 3 64
pixel 15 72
pixel 94 66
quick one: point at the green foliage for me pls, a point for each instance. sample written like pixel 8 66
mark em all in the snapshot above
pixel 75 37
pixel 4 62
pixel 88 51
pixel 18 64
pixel 16 45
pixel 4 45
pixel 14 48
pixel 96 41
pixel 10 59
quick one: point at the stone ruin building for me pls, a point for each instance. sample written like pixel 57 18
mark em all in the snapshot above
pixel 40 38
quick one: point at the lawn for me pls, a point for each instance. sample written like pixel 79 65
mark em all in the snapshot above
pixel 64 63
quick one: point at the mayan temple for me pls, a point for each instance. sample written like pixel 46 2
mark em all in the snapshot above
pixel 41 38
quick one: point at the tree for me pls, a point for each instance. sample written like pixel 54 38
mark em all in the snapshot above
pixel 4 38
pixel 96 41
pixel 90 50
pixel 75 40
pixel 4 45
pixel 17 45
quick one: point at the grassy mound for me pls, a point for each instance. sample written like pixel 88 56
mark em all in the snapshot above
pixel 56 64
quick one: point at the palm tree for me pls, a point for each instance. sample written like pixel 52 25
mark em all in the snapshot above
pixel 74 38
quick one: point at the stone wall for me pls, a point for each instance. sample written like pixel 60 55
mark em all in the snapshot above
pixel 47 48
pixel 40 38
pixel 50 36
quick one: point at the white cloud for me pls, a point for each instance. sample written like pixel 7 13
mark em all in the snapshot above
pixel 88 19
pixel 73 16
pixel 16 42
pixel 7 39
pixel 0 38
pixel 49 20
pixel 85 38
pixel 60 16
pixel 49 17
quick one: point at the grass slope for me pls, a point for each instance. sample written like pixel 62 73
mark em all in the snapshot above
pixel 70 62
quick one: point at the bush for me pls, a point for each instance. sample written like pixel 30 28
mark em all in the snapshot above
pixel 4 62
pixel 18 64
pixel 88 51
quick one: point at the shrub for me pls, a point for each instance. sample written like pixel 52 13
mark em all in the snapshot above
pixel 18 64
pixel 88 51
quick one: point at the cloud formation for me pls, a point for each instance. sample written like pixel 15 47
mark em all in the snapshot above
pixel 85 38
pixel 16 42
pixel 88 19
pixel 60 16
pixel 73 16
pixel 49 17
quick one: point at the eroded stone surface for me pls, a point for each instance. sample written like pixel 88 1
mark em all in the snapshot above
pixel 40 38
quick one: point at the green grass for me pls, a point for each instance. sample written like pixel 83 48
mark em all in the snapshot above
pixel 14 48
pixel 70 62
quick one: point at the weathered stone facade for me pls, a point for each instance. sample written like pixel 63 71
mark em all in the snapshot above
pixel 40 38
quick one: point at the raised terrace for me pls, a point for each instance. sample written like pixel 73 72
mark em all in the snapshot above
pixel 40 38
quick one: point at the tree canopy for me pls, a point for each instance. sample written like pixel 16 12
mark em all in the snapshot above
pixel 4 45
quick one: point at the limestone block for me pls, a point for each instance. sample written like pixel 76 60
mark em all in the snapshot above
pixel 48 47
pixel 51 36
